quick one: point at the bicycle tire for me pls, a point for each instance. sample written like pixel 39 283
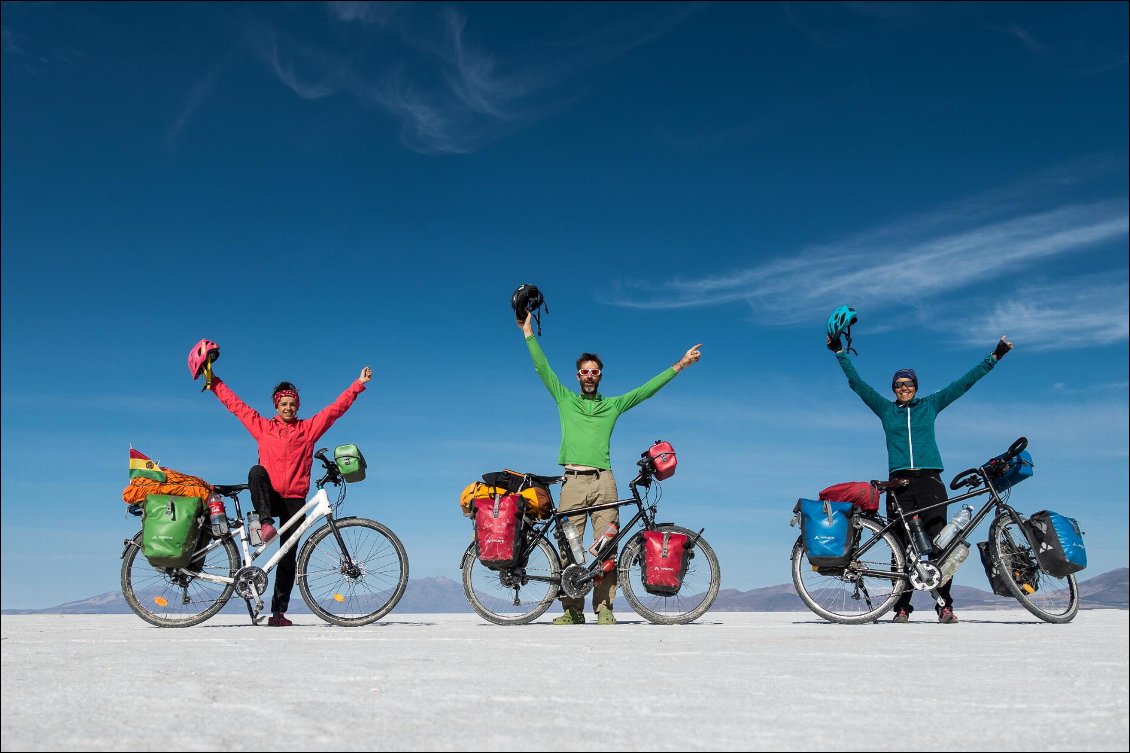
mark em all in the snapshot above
pixel 364 596
pixel 492 592
pixel 1052 599
pixel 175 597
pixel 831 592
pixel 697 593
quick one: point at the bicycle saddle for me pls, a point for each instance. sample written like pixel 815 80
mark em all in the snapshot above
pixel 547 480
pixel 227 491
pixel 895 483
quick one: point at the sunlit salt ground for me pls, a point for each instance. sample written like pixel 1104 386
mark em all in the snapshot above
pixel 732 681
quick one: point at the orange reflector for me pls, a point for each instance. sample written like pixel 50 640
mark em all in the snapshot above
pixel 160 601
pixel 1028 589
pixel 339 597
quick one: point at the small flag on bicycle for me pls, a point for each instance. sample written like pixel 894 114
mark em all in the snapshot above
pixel 142 466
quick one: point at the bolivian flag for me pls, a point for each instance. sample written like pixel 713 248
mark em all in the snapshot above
pixel 140 465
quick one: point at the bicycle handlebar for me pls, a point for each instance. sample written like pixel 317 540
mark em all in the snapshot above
pixel 993 467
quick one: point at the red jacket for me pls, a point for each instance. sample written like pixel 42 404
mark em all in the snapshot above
pixel 287 450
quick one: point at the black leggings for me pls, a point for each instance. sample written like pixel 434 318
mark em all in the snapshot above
pixel 926 488
pixel 270 504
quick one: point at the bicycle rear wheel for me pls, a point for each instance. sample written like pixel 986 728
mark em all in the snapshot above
pixel 178 597
pixel 697 593
pixel 861 592
pixel 514 595
pixel 358 589
pixel 1049 598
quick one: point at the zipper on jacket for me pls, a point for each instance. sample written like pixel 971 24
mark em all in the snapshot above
pixel 909 436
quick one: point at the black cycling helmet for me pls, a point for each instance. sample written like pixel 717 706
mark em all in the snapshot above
pixel 839 323
pixel 527 299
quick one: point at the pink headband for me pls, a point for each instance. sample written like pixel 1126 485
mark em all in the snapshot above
pixel 286 393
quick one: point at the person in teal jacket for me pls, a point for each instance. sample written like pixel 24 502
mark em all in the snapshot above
pixel 587 421
pixel 912 450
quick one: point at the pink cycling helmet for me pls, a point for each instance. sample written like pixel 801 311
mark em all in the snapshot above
pixel 202 353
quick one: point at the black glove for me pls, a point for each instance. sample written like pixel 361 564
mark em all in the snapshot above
pixel 1002 347
pixel 835 345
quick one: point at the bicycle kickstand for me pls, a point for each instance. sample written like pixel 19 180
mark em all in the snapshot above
pixel 256 617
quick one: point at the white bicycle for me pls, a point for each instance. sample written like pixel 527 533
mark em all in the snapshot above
pixel 351 571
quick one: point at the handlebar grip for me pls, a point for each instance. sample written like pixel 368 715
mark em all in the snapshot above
pixel 1016 448
pixel 321 455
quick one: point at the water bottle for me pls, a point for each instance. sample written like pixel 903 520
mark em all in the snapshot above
pixel 609 532
pixel 949 567
pixel 954 527
pixel 919 535
pixel 254 529
pixel 218 515
pixel 573 536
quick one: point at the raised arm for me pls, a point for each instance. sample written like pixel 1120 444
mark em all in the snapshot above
pixel 247 415
pixel 321 421
pixel 866 392
pixel 541 364
pixel 945 396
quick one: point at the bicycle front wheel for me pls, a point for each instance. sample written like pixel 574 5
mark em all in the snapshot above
pixel 179 597
pixel 358 585
pixel 1049 598
pixel 861 592
pixel 697 593
pixel 513 595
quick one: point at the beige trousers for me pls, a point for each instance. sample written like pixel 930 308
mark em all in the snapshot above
pixel 580 492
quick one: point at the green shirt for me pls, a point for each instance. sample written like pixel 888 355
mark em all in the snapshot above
pixel 587 423
pixel 910 428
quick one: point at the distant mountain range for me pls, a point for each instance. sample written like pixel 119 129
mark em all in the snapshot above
pixel 443 595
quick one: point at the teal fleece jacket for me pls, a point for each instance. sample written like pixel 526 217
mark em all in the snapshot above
pixel 587 424
pixel 910 428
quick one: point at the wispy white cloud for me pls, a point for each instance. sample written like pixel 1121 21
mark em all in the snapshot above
pixel 449 93
pixel 363 12
pixel 1026 39
pixel 196 96
pixel 873 266
pixel 1090 310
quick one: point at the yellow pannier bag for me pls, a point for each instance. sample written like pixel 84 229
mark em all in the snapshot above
pixel 477 490
pixel 538 503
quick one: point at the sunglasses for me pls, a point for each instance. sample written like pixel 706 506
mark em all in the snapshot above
pixel 903 385
pixel 588 372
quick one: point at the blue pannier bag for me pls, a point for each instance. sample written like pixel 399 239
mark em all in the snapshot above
pixel 827 532
pixel 1059 543
pixel 1019 468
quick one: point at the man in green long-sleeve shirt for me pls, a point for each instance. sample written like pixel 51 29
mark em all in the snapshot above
pixel 587 421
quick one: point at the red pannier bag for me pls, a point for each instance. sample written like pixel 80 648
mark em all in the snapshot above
pixel 665 558
pixel 859 493
pixel 498 529
pixel 663 458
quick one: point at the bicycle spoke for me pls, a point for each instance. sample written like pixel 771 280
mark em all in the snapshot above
pixel 358 588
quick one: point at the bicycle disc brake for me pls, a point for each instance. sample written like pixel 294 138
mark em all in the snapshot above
pixel 925 576
pixel 576 581
pixel 250 582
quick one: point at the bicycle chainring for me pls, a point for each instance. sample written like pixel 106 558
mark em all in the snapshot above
pixel 576 581
pixel 250 582
pixel 932 579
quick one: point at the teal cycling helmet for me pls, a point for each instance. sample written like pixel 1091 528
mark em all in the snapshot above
pixel 839 323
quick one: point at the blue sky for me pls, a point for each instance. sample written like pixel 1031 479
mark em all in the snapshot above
pixel 322 186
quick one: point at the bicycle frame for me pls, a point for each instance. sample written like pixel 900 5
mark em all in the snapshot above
pixel 593 569
pixel 938 558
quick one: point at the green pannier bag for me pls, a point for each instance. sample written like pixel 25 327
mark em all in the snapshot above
pixel 350 462
pixel 170 527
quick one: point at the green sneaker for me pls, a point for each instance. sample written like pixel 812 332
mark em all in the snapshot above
pixel 604 616
pixel 571 617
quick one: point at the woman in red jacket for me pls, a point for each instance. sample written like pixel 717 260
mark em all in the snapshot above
pixel 281 480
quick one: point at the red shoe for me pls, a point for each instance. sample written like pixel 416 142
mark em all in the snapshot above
pixel 901 616
pixel 278 619
pixel 267 532
pixel 947 617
